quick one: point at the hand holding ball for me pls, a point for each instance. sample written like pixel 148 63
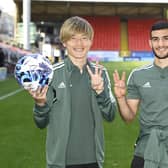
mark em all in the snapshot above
pixel 33 71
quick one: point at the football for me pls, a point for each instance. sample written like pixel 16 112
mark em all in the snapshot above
pixel 33 71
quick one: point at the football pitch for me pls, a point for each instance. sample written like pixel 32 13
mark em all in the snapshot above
pixel 22 145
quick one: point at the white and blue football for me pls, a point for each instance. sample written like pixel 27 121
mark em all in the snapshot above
pixel 33 71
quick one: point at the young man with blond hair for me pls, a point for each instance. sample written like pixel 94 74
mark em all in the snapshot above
pixel 73 106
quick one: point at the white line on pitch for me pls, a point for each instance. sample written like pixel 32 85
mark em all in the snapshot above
pixel 11 94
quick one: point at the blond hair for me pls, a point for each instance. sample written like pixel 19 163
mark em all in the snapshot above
pixel 75 25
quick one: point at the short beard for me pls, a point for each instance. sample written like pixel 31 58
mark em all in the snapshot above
pixel 166 56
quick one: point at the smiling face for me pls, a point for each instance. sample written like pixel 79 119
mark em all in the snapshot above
pixel 159 43
pixel 76 35
pixel 78 46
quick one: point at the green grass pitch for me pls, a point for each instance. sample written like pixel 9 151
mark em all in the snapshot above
pixel 22 145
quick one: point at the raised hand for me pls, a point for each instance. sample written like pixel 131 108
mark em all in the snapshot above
pixel 39 95
pixel 119 84
pixel 97 81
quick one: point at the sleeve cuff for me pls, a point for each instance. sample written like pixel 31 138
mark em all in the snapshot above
pixel 41 109
pixel 101 97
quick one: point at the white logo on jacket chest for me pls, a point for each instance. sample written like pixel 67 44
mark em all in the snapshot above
pixel 147 85
pixel 62 85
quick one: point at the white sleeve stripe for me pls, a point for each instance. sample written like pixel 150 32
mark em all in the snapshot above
pixel 139 69
pixel 109 87
pixel 58 66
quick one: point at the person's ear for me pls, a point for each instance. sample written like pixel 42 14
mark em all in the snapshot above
pixel 150 43
pixel 64 45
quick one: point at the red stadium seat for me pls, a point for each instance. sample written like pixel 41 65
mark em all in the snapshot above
pixel 138 34
pixel 107 32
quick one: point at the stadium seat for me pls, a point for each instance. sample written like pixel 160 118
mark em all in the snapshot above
pixel 106 37
pixel 138 34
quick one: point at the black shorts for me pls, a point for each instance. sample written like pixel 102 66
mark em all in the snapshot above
pixel 137 162
pixel 89 165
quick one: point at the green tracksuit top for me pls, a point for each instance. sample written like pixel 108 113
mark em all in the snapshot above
pixel 149 84
pixel 56 114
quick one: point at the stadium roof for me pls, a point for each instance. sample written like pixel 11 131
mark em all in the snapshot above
pixel 118 1
pixel 58 10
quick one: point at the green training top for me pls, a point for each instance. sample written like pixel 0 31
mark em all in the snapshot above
pixel 56 114
pixel 81 143
pixel 150 85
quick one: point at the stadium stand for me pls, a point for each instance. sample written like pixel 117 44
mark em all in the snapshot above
pixel 107 32
pixel 138 34
pixel 121 29
pixel 9 56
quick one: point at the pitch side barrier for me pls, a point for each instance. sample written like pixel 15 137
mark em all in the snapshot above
pixel 107 56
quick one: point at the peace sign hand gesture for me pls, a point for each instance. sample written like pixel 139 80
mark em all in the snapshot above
pixel 97 81
pixel 119 84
